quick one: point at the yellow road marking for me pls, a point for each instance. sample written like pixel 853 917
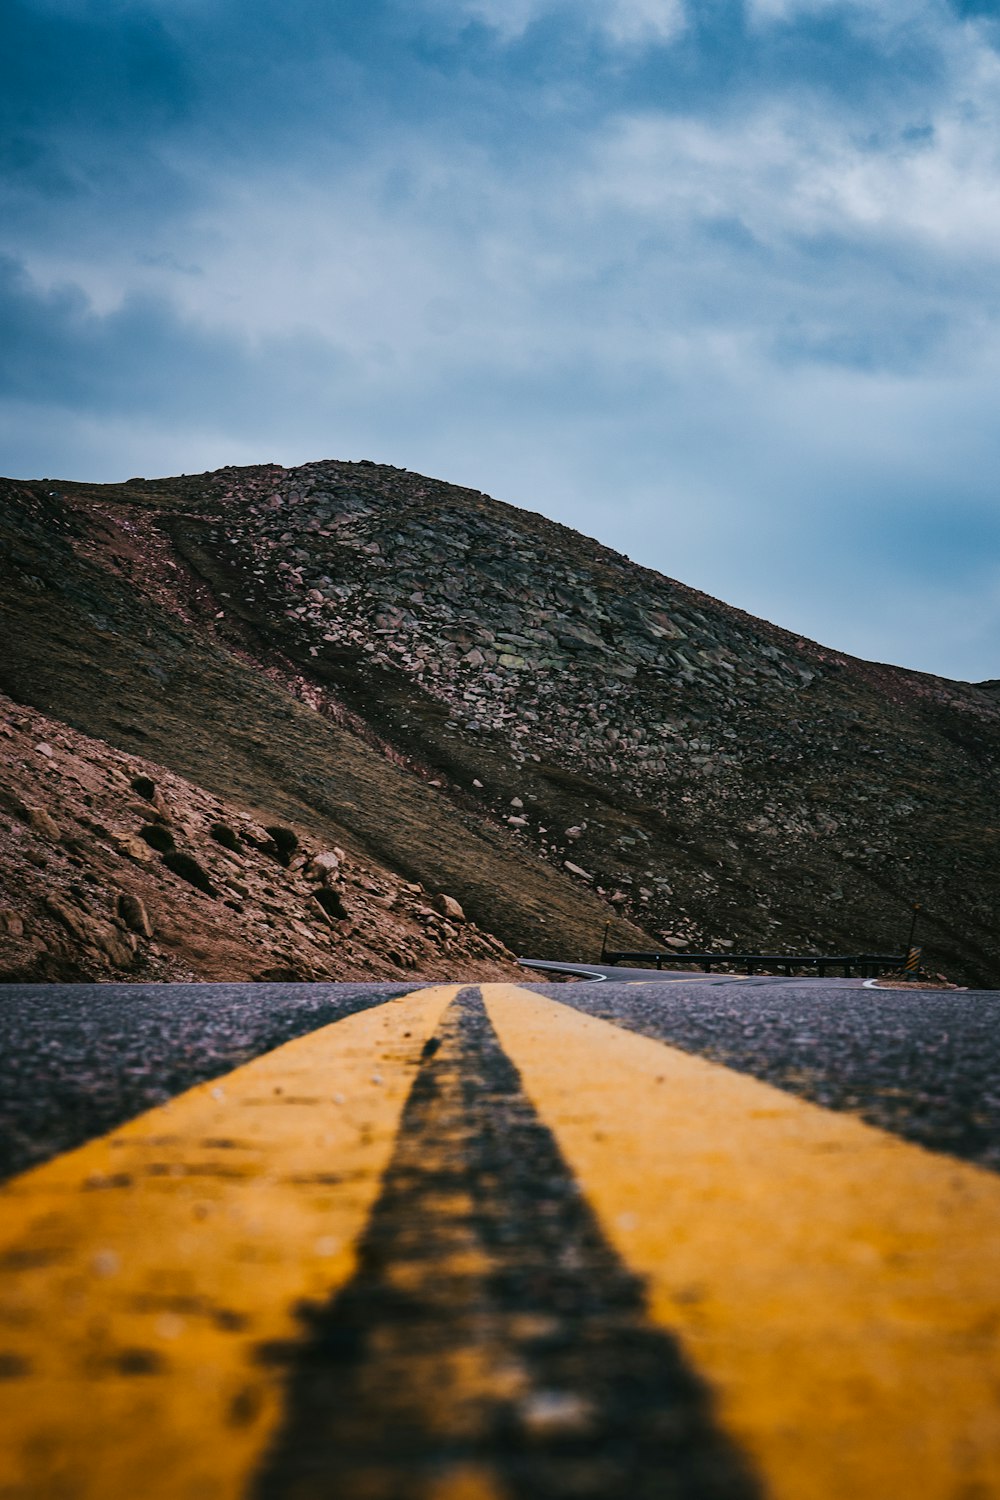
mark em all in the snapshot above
pixel 143 1271
pixel 838 1287
pixel 471 1482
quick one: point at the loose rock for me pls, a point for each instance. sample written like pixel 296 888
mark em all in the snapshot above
pixel 133 913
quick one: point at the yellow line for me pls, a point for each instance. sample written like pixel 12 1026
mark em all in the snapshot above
pixel 470 1482
pixel 143 1272
pixel 839 1288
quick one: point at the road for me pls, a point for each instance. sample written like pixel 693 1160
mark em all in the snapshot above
pixel 677 1236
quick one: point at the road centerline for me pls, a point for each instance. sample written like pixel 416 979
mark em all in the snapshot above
pixel 79 1060
pixel 490 1341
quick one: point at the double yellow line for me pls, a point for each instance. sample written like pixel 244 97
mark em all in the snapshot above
pixel 835 1286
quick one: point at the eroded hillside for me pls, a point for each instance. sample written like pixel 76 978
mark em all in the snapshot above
pixel 112 867
pixel 494 704
pixel 104 633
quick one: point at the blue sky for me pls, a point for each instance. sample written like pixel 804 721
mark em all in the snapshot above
pixel 716 282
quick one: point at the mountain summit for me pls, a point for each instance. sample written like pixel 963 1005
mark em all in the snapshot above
pixel 489 707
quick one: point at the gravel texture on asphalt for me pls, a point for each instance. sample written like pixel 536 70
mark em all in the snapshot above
pixel 490 1327
pixel 922 1064
pixel 76 1060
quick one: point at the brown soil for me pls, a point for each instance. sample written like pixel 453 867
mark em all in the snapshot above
pixel 86 890
pixel 472 699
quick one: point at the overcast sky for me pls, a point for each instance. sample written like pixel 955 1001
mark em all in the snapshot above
pixel 715 282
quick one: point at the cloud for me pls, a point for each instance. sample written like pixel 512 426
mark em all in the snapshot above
pixel 644 22
pixel 60 354
pixel 786 12
pixel 625 23
pixel 716 285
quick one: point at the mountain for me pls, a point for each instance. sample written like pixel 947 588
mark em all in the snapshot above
pixel 471 699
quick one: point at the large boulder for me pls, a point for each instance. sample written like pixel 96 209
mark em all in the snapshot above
pixel 325 866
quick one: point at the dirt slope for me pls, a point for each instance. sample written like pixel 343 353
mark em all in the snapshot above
pixel 109 660
pixel 492 705
pixel 112 867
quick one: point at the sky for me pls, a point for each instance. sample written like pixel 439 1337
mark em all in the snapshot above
pixel 715 281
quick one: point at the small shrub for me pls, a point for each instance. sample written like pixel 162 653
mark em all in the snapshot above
pixel 285 842
pixel 188 868
pixel 144 786
pixel 157 837
pixel 330 902
pixel 224 835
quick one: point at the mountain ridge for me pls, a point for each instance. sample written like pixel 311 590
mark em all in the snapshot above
pixel 653 756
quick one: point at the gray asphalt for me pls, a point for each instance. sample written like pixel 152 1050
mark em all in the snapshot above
pixel 76 1060
pixel 597 972
pixel 924 1064
pixel 619 974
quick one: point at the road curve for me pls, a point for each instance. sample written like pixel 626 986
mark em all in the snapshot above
pixel 620 973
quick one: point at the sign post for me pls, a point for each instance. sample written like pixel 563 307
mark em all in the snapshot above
pixel 913 953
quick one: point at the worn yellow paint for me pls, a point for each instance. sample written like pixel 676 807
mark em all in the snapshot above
pixel 837 1287
pixel 468 1482
pixel 145 1270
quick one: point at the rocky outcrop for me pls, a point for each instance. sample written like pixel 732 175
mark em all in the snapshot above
pixel 564 736
pixel 83 895
pixel 734 781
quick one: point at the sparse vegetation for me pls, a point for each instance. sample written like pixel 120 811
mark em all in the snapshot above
pixel 226 836
pixel 742 784
pixel 158 837
pixel 285 842
pixel 188 868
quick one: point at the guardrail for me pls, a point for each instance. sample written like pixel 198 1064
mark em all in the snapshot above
pixel 866 964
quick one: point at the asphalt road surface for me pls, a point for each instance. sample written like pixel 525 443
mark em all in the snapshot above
pixel 682 1236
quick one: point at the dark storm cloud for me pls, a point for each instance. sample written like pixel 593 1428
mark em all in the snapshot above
pixel 261 77
pixel 103 69
pixel 60 353
pixel 715 281
pixel 90 97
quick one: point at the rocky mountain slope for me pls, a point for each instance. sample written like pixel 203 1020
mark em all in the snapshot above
pixel 496 708
pixel 111 866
